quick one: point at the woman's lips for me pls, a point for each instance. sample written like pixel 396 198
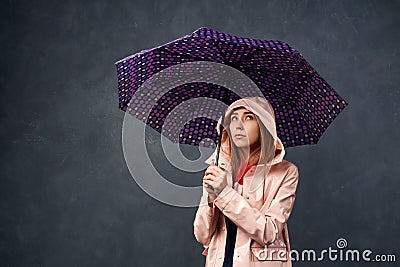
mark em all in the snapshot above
pixel 239 136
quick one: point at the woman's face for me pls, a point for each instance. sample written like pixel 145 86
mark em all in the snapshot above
pixel 244 128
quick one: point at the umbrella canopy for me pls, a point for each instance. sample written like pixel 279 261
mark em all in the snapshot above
pixel 304 103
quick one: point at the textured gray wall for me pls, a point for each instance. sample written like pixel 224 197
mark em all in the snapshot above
pixel 66 195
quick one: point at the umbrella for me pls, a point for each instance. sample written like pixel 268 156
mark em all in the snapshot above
pixel 304 103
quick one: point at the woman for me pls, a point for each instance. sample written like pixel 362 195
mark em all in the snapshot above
pixel 243 221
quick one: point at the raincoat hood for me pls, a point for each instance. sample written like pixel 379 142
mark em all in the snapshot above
pixel 265 112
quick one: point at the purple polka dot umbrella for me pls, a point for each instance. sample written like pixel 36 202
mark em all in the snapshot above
pixel 304 103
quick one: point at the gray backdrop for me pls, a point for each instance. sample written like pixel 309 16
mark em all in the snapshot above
pixel 66 195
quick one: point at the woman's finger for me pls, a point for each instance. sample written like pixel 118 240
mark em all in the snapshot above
pixel 214 169
pixel 209 177
pixel 213 164
pixel 208 172
pixel 212 172
pixel 206 184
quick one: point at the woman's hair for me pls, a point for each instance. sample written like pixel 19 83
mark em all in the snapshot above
pixel 263 154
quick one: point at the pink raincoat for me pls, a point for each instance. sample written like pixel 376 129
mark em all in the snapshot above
pixel 262 234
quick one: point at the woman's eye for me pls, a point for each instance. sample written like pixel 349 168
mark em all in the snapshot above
pixel 248 116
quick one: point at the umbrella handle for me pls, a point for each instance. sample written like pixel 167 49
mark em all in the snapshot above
pixel 219 147
pixel 220 137
pixel 219 144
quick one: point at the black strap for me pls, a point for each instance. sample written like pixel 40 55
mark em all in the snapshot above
pixel 231 231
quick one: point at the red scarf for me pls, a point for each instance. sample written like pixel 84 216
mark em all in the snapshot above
pixel 240 179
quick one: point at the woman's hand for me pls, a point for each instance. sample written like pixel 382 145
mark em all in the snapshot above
pixel 214 181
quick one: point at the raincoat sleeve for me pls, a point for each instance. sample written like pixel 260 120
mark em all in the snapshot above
pixel 263 227
pixel 205 220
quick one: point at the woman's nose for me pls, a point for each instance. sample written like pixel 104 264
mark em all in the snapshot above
pixel 239 125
